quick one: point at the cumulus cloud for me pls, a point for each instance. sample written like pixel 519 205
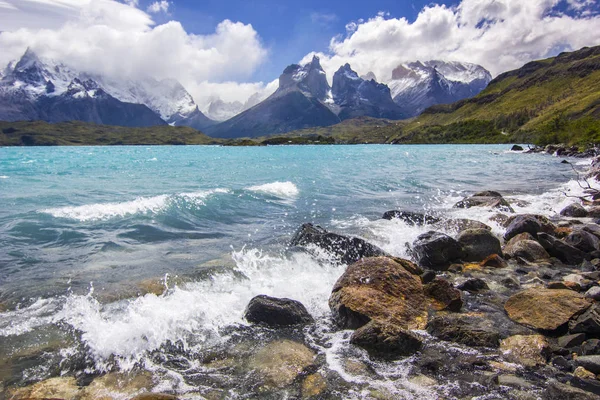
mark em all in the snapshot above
pixel 498 34
pixel 120 40
pixel 159 6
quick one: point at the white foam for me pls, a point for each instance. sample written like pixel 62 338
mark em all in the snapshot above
pixel 284 190
pixel 3 177
pixel 141 205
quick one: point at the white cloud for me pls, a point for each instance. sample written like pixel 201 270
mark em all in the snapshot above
pixel 114 38
pixel 159 6
pixel 498 34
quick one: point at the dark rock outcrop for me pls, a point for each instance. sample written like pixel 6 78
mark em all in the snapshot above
pixel 488 198
pixel 465 329
pixel 588 322
pixel 276 311
pixel 436 250
pixel 411 218
pixel 386 340
pixel 478 244
pixel 561 250
pixel 522 224
pixel 574 210
pixel 345 249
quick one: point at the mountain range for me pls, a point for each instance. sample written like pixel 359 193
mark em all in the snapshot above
pixel 36 89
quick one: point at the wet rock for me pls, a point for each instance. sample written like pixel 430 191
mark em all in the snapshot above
pixel 345 249
pixel 590 347
pixel 379 289
pixel 154 396
pixel 516 147
pixel 588 322
pixel 280 362
pixel 465 329
pixel 589 385
pixel 583 373
pixel 473 285
pixel 411 218
pixel 514 382
pixel 386 340
pixel 569 341
pixel 574 210
pixel 511 282
pixel 461 224
pixel 118 384
pixel 560 391
pixel 444 296
pixel 546 225
pixel 53 388
pixel 561 250
pixel 522 224
pixel 487 198
pixel 478 244
pixel 528 350
pixel 526 249
pixel 591 363
pixel 313 386
pixel 593 293
pixel 428 277
pixel 436 250
pixel 593 212
pixel 583 241
pixel 494 261
pixel 545 309
pixel 276 312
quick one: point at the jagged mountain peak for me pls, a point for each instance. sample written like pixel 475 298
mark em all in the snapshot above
pixel 310 79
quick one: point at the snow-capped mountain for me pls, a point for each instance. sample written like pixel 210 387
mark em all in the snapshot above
pixel 354 96
pixel 418 85
pixel 31 84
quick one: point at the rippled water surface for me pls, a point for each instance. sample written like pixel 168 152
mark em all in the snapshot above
pixel 90 236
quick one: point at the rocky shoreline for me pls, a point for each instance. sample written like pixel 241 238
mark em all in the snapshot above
pixel 471 314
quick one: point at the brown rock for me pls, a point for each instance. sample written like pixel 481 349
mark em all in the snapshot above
pixel 527 350
pixel 378 289
pixel 444 295
pixel 545 309
pixel 280 362
pixel 313 385
pixel 386 341
pixel 53 388
pixel 494 261
pixel 526 249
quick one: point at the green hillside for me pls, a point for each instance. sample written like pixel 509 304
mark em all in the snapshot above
pixel 547 101
pixel 39 133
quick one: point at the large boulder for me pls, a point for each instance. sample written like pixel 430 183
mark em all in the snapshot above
pixel 378 289
pixel 436 250
pixel 386 340
pixel 561 250
pixel 529 250
pixel 574 210
pixel 273 311
pixel 522 224
pixel 527 350
pixel 444 295
pixel 545 309
pixel 411 218
pixel 583 240
pixel 486 198
pixel 469 330
pixel 478 244
pixel 345 249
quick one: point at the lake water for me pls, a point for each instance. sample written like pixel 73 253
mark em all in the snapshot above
pixel 87 232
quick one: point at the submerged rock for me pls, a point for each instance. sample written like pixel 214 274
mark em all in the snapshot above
pixel 379 289
pixel 479 244
pixel 444 295
pixel 411 218
pixel 386 340
pixel 436 250
pixel 280 362
pixel 276 312
pixel 53 388
pixel 545 309
pixel 345 249
pixel 527 350
pixel 116 384
pixel 465 329
pixel 516 147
